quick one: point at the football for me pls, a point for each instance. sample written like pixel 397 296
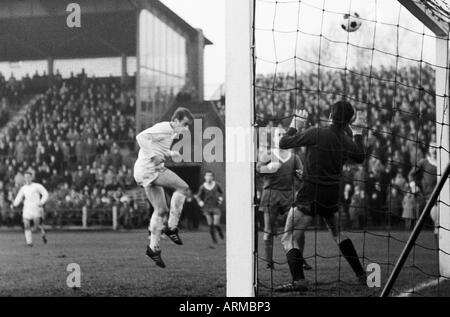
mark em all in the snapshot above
pixel 351 22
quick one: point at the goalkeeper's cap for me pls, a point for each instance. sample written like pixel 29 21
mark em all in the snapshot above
pixel 342 113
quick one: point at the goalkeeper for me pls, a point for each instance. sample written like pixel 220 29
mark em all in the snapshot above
pixel 327 149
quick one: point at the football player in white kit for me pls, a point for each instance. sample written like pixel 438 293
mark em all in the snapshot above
pixel 150 173
pixel 34 196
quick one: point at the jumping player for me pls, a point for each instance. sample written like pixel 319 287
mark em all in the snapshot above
pixel 33 195
pixel 210 197
pixel 150 173
pixel 327 149
pixel 279 168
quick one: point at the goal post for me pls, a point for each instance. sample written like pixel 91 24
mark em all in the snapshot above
pixel 240 148
pixel 442 31
pixel 443 155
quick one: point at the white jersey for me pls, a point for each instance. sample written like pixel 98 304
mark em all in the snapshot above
pixel 153 142
pixel 33 196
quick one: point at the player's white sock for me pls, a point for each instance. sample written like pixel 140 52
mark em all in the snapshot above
pixel 28 236
pixel 176 206
pixel 156 226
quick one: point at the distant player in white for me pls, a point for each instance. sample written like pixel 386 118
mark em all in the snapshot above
pixel 33 196
pixel 150 173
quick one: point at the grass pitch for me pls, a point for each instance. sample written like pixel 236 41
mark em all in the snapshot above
pixel 112 264
pixel 332 276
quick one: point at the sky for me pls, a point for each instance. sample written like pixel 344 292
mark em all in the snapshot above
pixel 307 16
pixel 288 15
pixel 208 15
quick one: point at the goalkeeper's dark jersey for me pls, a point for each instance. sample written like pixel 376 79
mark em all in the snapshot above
pixel 327 149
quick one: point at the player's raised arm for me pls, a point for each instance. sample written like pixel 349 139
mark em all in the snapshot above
pixel 294 137
pixel 356 150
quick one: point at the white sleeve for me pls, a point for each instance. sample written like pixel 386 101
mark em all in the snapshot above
pixel 146 138
pixel 19 198
pixel 44 194
pixel 265 166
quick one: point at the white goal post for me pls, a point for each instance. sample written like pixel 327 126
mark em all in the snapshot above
pixel 443 156
pixel 442 32
pixel 239 170
pixel 240 259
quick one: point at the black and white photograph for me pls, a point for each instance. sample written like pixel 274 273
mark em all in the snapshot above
pixel 225 148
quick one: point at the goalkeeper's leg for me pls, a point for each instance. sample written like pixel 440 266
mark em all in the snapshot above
pixel 347 249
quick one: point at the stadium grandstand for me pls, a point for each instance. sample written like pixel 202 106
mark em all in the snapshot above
pixel 91 90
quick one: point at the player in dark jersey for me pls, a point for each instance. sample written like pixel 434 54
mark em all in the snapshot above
pixel 425 176
pixel 210 197
pixel 327 149
pixel 280 168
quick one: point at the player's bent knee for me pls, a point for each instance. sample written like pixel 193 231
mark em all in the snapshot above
pixel 162 211
pixel 182 189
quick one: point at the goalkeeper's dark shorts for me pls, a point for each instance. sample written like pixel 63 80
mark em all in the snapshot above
pixel 314 199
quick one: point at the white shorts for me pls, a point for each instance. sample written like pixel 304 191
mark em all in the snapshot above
pixel 30 214
pixel 146 175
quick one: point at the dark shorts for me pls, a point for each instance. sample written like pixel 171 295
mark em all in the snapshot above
pixel 211 211
pixel 313 199
pixel 276 201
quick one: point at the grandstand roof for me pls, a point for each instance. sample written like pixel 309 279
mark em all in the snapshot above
pixel 37 29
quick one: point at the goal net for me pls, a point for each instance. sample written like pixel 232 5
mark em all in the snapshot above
pixel 379 56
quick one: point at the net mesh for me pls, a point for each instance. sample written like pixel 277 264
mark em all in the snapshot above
pixel 304 59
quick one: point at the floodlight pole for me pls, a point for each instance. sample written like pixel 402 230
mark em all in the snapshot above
pixel 239 149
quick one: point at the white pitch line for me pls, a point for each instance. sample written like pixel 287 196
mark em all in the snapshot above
pixel 422 286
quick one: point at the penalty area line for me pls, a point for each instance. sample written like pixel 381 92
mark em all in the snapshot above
pixel 422 286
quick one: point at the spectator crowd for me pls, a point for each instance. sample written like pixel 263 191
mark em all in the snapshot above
pixel 75 136
pixel 400 108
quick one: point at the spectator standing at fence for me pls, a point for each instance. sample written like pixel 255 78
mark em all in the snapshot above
pixel 411 206
pixel 357 208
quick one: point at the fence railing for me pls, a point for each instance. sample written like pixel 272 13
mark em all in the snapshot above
pixel 85 217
